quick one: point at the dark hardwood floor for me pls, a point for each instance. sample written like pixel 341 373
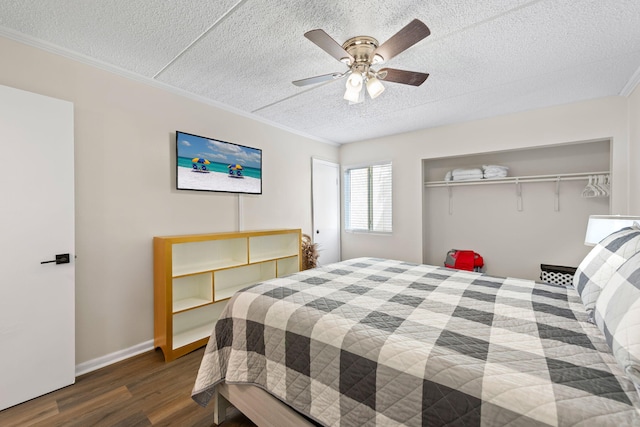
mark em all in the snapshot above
pixel 140 391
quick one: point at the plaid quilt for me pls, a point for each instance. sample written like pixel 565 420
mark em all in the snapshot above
pixel 371 342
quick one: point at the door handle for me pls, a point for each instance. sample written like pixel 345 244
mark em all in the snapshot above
pixel 60 259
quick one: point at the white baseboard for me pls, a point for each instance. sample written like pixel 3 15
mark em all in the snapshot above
pixel 117 356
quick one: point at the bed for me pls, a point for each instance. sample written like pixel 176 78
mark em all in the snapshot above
pixel 378 342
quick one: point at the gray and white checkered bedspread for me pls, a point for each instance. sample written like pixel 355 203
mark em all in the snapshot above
pixel 371 342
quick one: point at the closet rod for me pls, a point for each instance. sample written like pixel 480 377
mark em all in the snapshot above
pixel 520 179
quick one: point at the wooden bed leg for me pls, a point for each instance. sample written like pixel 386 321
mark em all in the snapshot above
pixel 220 408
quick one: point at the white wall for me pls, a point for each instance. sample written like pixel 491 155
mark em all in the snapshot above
pixel 598 119
pixel 634 152
pixel 125 185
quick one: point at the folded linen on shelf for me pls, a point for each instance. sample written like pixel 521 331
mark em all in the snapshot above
pixel 487 171
pixel 467 177
pixel 495 168
pixel 494 171
pixel 464 174
pixel 494 175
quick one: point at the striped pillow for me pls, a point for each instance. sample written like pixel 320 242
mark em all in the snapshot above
pixel 598 266
pixel 617 314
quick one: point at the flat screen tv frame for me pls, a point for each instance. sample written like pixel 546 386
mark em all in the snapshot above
pixel 209 164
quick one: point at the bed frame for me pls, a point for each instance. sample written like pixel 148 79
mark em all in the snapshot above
pixel 258 405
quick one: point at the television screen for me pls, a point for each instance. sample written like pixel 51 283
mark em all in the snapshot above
pixel 207 164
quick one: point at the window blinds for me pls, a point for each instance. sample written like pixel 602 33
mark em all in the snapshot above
pixel 368 196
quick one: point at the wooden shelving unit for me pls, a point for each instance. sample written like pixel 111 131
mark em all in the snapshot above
pixel 194 276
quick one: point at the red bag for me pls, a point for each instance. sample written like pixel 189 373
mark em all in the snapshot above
pixel 464 260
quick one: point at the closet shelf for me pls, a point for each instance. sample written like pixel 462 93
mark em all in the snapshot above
pixel 518 179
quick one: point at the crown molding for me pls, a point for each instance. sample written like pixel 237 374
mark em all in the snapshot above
pixel 78 57
pixel 631 84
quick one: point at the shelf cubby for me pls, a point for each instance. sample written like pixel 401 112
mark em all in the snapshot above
pixel 287 266
pixel 227 282
pixel 194 325
pixel 195 257
pixel 192 291
pixel 262 248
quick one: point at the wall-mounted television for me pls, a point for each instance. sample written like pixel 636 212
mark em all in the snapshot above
pixel 206 164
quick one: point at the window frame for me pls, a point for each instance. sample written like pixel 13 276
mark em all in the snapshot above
pixel 347 183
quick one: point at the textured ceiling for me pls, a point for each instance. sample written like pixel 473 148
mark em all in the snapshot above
pixel 485 58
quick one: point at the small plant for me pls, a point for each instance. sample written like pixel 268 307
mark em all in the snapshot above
pixel 309 253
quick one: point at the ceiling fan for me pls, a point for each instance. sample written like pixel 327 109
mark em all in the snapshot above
pixel 361 53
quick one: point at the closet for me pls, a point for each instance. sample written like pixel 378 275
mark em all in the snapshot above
pixel 536 215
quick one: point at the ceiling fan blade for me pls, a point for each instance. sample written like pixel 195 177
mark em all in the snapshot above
pixel 412 78
pixel 319 79
pixel 415 31
pixel 329 45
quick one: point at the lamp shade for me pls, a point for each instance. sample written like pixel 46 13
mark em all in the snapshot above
pixel 353 95
pixel 600 226
pixel 354 87
pixel 374 87
pixel 354 81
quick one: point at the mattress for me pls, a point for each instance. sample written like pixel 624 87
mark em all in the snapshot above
pixel 375 342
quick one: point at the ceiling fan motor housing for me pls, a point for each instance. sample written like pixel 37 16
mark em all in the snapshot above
pixel 361 48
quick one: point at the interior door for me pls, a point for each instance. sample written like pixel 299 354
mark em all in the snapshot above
pixel 37 300
pixel 326 210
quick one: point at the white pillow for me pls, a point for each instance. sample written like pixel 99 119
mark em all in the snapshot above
pixel 600 264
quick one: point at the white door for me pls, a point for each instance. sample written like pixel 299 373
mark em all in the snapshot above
pixel 326 210
pixel 37 301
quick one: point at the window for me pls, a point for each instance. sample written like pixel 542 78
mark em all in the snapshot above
pixel 368 198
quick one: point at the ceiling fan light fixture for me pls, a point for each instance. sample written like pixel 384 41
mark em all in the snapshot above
pixel 355 81
pixel 353 95
pixel 374 87
pixel 354 87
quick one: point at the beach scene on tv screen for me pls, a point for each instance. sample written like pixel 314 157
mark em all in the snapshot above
pixel 212 165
